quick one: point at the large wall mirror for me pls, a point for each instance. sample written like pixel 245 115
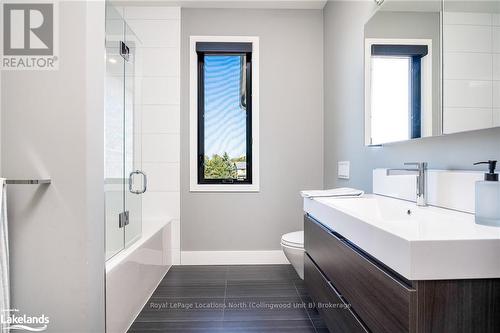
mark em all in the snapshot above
pixel 431 68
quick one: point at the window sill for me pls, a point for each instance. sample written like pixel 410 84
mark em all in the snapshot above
pixel 224 188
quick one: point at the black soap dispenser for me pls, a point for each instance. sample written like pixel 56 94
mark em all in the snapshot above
pixel 488 197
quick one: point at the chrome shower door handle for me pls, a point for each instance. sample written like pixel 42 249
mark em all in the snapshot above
pixel 144 183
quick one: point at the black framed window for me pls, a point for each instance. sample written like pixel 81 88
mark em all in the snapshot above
pixel 224 113
pixel 414 54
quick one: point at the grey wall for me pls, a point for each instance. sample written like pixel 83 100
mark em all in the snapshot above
pixel 344 111
pixel 291 131
pixel 52 126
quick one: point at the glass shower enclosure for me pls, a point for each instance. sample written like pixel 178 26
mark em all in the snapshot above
pixel 124 181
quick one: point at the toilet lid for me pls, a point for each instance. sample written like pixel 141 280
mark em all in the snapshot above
pixel 293 239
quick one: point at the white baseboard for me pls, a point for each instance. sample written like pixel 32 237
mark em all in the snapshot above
pixel 232 257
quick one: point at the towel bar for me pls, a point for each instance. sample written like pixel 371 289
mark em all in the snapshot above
pixel 27 181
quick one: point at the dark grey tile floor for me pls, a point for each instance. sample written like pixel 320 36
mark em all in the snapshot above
pixel 250 298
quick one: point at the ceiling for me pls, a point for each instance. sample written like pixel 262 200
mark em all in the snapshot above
pixel 255 4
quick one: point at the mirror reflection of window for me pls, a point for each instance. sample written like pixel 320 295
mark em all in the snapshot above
pixel 403 43
pixel 398 90
pixel 390 98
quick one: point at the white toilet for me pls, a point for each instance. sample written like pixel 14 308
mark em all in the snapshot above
pixel 293 247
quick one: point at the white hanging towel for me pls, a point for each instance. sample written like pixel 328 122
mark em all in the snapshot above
pixel 344 192
pixel 4 257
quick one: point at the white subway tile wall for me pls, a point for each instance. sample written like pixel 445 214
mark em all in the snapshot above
pixel 496 94
pixel 158 57
pixel 160 148
pixel 496 117
pixel 157 32
pixel 467 119
pixel 496 66
pixel 471 70
pixel 157 205
pixel 161 61
pixel 468 93
pixel 480 69
pixel 162 177
pixel 467 38
pixel 160 119
pixel 160 90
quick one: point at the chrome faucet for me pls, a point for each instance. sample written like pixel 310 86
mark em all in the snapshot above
pixel 419 171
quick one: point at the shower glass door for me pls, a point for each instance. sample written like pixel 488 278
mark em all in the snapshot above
pixel 135 178
pixel 113 132
pixel 124 181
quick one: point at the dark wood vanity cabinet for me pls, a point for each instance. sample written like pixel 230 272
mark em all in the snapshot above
pixel 356 293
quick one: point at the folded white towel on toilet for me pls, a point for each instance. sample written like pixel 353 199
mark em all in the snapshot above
pixel 336 192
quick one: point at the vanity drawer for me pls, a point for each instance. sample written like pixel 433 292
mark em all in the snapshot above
pixel 383 303
pixel 337 319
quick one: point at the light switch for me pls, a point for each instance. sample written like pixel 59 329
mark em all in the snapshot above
pixel 343 169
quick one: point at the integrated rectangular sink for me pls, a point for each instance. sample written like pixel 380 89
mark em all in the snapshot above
pixel 419 243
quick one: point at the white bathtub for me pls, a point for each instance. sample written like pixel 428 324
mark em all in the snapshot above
pixel 133 274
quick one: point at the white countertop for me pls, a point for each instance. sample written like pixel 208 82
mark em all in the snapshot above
pixel 430 243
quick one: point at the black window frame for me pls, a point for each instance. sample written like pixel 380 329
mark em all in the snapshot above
pixel 415 53
pixel 223 48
